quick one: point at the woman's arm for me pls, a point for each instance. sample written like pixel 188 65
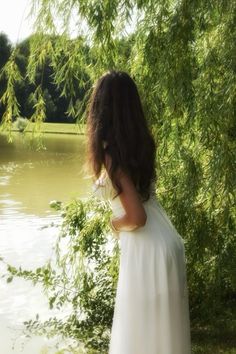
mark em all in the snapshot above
pixel 135 215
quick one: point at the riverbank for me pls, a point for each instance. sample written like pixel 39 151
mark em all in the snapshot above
pixel 55 128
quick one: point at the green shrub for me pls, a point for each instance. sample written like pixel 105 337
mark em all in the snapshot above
pixel 83 275
pixel 21 123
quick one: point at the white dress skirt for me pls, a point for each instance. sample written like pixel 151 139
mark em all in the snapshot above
pixel 151 314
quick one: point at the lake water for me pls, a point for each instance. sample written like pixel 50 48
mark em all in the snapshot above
pixel 29 180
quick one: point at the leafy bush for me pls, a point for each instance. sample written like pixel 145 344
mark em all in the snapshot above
pixel 21 123
pixel 81 276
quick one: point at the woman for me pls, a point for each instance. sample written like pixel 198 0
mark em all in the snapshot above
pixel 151 313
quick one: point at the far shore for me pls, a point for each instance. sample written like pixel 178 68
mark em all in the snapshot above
pixel 55 128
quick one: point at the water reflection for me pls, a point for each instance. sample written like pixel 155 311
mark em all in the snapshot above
pixel 33 178
pixel 29 180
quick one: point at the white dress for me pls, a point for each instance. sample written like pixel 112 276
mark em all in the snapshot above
pixel 151 314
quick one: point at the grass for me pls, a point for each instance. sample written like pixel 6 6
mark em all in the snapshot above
pixel 207 341
pixel 218 336
pixel 56 128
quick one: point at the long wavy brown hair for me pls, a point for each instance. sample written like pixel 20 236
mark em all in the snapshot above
pixel 116 126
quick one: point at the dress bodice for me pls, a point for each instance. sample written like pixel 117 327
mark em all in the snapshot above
pixel 103 189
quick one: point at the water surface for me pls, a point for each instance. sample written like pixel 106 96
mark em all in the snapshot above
pixel 29 180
